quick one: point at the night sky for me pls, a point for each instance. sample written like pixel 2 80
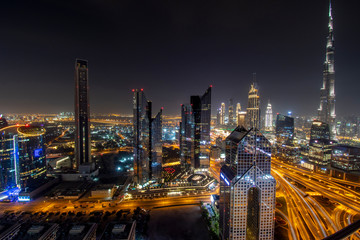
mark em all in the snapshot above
pixel 174 49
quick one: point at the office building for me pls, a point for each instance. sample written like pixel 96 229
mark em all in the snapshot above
pixel 22 157
pixel 186 136
pixel 222 114
pixel 284 132
pixel 156 144
pixel 147 138
pixel 195 131
pixel 247 190
pixel 326 109
pixel 319 130
pixel 253 108
pixel 269 118
pixel 231 119
pixel 82 114
pixel 284 129
pixel 346 158
pixel 241 118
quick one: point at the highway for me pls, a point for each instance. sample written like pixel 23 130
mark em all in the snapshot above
pixel 308 216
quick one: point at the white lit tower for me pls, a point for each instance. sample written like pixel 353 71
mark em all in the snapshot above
pixel 327 92
pixel 222 114
pixel 269 118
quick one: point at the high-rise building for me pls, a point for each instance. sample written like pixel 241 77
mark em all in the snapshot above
pixel 156 145
pixel 142 137
pixel 269 118
pixel 231 118
pixel 253 108
pixel 22 157
pixel 82 114
pixel 247 189
pixel 186 135
pixel 147 139
pixel 222 114
pixel 238 110
pixel 284 129
pixel 195 131
pixel 320 144
pixel 327 92
pixel 241 118
pixel 285 147
pixel 319 130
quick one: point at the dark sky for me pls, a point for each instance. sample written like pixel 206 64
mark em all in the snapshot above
pixel 174 49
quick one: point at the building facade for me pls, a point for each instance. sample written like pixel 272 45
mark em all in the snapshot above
pixel 253 108
pixel 346 158
pixel 269 118
pixel 231 119
pixel 247 189
pixel 22 157
pixel 195 131
pixel 326 109
pixel 82 114
pixel 222 114
pixel 147 139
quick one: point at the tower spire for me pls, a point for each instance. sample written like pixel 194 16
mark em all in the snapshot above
pixel 330 18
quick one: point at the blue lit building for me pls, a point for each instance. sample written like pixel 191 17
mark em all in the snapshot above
pixel 22 157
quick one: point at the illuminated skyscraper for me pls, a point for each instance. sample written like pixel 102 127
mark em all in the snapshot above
pixel 82 114
pixel 231 121
pixel 269 118
pixel 247 190
pixel 186 135
pixel 195 131
pixel 253 108
pixel 156 145
pixel 222 114
pixel 147 139
pixel 238 110
pixel 22 157
pixel 142 137
pixel 327 91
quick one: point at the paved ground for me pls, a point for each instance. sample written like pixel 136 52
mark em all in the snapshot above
pixel 177 223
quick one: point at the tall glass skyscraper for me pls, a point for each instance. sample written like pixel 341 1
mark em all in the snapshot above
pixel 253 108
pixel 147 139
pixel 82 114
pixel 247 190
pixel 327 92
pixel 195 131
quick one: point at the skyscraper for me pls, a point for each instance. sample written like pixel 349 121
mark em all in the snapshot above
pixel 147 139
pixel 22 157
pixel 253 108
pixel 142 137
pixel 231 121
pixel 186 135
pixel 238 110
pixel 222 114
pixel 320 144
pixel 82 114
pixel 284 132
pixel 327 92
pixel 269 118
pixel 156 144
pixel 247 190
pixel 195 130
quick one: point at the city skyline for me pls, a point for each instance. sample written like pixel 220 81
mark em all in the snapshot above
pixel 112 80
